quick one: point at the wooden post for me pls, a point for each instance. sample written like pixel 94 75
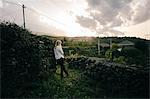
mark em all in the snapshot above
pixel 24 25
pixel 110 43
pixel 98 45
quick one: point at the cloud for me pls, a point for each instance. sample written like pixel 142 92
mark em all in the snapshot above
pixel 108 11
pixel 110 32
pixel 13 13
pixel 86 22
pixel 1 4
pixel 94 15
pixel 141 11
pixel 147 36
pixel 115 13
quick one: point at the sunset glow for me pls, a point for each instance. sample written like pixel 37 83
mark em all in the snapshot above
pixel 81 17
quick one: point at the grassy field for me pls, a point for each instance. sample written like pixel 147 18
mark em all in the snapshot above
pixel 76 85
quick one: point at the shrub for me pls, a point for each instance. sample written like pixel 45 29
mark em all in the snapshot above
pixel 134 56
pixel 114 46
pixel 108 54
pixel 21 59
pixel 120 59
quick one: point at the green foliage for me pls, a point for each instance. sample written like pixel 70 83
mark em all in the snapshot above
pixel 86 51
pixel 113 52
pixel 120 59
pixel 114 46
pixel 89 48
pixel 132 81
pixel 140 44
pixel 131 55
pixel 134 55
pixel 74 86
pixel 28 66
pixel 23 57
pixel 143 46
pixel 108 54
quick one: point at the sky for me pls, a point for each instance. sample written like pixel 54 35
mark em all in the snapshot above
pixel 81 17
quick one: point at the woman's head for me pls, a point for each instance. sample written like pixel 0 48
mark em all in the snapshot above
pixel 58 43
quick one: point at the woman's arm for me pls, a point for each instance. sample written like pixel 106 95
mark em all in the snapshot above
pixel 61 50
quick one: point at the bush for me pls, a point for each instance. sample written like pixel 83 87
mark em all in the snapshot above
pixel 114 46
pixel 120 59
pixel 21 59
pixel 108 54
pixel 134 56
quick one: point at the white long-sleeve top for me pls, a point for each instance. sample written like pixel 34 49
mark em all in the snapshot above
pixel 58 51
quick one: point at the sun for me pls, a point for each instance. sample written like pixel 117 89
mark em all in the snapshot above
pixel 68 25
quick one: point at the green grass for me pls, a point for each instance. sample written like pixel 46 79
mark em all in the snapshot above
pixel 76 85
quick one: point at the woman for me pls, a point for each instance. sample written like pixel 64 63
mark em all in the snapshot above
pixel 59 56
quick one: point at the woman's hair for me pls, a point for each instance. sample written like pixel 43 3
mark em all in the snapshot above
pixel 58 42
